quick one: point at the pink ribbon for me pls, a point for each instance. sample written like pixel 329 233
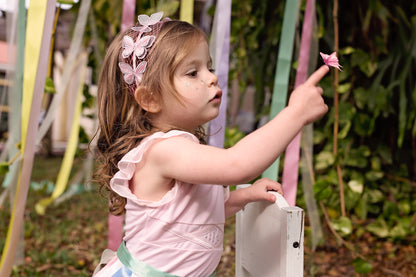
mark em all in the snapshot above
pixel 129 8
pixel 291 165
pixel 221 45
pixel 115 223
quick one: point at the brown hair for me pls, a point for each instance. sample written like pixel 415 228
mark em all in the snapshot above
pixel 123 123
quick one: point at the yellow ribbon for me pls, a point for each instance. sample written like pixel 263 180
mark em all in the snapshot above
pixel 38 32
pixel 187 11
pixel 68 160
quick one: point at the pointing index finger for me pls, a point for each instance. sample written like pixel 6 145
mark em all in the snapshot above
pixel 317 75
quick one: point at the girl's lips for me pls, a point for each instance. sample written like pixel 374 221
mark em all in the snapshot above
pixel 217 97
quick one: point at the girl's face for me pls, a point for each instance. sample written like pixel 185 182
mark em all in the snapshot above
pixel 197 85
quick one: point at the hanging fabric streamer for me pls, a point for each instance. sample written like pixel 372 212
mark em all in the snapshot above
pixel 281 79
pixel 65 170
pixel 129 9
pixel 17 43
pixel 73 52
pixel 291 166
pixel 40 18
pixel 186 12
pixel 206 19
pixel 306 160
pixel 220 51
pixel 15 98
pixel 115 223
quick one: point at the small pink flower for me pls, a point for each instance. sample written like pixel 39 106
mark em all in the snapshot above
pixel 331 60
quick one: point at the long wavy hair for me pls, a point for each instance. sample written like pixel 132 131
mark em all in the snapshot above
pixel 123 123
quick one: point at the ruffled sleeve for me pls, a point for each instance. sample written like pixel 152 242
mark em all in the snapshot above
pixel 127 166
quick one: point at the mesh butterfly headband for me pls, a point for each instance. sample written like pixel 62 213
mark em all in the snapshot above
pixel 136 45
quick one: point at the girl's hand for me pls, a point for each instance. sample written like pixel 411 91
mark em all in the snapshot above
pixel 307 99
pixel 256 192
pixel 259 190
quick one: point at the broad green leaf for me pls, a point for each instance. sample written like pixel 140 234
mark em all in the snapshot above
pixel 322 190
pixel 344 88
pixel 356 186
pixel 375 163
pixel 360 97
pixel 378 228
pixel 324 160
pixel 362 266
pixel 402 228
pixel 374 195
pixel 355 160
pixel 361 209
pixel 404 206
pixel 346 50
pixel 362 125
pixel 390 209
pixel 343 225
pixel 351 199
pixel 346 126
pixel 374 175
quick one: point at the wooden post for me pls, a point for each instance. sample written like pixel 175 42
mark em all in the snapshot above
pixel 269 239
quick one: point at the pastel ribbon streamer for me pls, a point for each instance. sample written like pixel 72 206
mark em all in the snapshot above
pixel 186 12
pixel 65 170
pixel 291 165
pixel 115 223
pixel 220 50
pixel 284 62
pixel 129 8
pixel 15 98
pixel 73 52
pixel 40 18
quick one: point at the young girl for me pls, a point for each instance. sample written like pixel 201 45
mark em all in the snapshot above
pixel 157 88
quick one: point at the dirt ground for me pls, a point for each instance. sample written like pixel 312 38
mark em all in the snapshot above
pixel 70 238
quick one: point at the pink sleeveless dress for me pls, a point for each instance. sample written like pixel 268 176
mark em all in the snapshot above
pixel 181 234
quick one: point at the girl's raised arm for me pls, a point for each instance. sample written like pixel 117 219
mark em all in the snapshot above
pixel 187 161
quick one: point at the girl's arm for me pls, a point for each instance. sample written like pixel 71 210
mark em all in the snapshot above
pixel 184 160
pixel 256 192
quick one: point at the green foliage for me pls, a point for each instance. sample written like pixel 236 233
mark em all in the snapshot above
pixel 49 86
pixel 4 168
pixel 232 136
pixel 377 111
pixel 362 266
pixel 255 29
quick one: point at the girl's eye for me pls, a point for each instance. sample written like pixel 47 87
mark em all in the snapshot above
pixel 212 70
pixel 192 73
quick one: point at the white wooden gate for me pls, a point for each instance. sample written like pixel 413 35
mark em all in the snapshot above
pixel 269 239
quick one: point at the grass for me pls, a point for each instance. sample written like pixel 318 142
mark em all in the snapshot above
pixel 69 239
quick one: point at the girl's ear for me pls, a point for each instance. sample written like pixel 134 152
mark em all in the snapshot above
pixel 147 100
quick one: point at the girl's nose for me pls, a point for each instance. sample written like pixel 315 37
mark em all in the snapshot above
pixel 212 79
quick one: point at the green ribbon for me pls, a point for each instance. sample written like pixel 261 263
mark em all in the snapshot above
pixel 138 267
pixel 284 61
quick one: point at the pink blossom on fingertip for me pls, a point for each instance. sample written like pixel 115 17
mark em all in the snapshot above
pixel 331 60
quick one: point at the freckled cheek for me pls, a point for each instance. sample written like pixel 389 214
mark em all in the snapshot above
pixel 196 86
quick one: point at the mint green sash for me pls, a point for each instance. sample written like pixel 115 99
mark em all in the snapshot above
pixel 138 267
